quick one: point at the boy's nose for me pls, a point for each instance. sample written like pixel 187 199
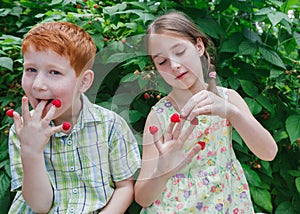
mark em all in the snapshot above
pixel 39 83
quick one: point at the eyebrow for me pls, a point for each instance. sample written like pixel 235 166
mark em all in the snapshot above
pixel 173 47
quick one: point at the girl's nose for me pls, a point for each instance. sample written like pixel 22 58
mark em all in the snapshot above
pixel 175 65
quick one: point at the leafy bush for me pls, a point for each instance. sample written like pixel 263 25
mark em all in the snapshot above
pixel 258 55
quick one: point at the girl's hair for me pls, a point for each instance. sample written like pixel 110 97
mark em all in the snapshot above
pixel 66 39
pixel 180 24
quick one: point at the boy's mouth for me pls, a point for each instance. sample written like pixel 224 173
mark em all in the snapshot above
pixel 48 101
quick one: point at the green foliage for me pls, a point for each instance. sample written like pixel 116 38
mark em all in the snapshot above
pixel 257 45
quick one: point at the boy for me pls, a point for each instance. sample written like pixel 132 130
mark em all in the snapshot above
pixel 67 154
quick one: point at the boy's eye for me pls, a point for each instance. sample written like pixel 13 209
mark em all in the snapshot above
pixel 162 62
pixel 30 70
pixel 55 72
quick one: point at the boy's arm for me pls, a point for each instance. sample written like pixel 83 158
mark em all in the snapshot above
pixel 121 198
pixel 36 189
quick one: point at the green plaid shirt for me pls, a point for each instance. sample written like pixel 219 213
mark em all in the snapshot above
pixel 82 166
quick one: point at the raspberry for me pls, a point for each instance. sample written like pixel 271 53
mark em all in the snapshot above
pixel 195 121
pixel 66 126
pixel 56 103
pixel 175 118
pixel 10 112
pixel 146 96
pixel 202 144
pixel 153 129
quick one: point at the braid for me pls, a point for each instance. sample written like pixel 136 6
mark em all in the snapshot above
pixel 212 74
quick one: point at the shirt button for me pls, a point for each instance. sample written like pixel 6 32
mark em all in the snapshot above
pixel 72 168
pixel 75 191
pixel 69 142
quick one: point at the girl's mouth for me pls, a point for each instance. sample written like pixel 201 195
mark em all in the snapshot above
pixel 180 76
pixel 48 101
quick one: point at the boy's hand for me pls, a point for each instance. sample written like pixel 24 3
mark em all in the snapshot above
pixel 34 131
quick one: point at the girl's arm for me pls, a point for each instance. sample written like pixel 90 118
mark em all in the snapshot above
pixel 162 157
pixel 121 198
pixel 257 138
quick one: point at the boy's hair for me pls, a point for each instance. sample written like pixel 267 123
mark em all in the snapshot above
pixel 66 39
pixel 180 24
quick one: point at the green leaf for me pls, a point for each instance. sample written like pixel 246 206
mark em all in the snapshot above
pixel 292 124
pixel 129 78
pixel 252 177
pixel 280 135
pixel 276 17
pixel 294 173
pixel 297 38
pixel 255 108
pixel 247 48
pixel 274 73
pixel 262 198
pixel 4 183
pixel 264 101
pixel 6 62
pixel 297 182
pixel 122 99
pixel 285 207
pixel 231 45
pixel 271 56
pixel 266 168
pixel 249 88
pixel 119 57
pixel 234 83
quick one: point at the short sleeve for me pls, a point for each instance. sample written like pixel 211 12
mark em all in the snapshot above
pixel 14 147
pixel 124 155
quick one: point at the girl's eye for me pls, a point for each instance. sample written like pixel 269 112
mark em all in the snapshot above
pixel 54 72
pixel 162 62
pixel 179 53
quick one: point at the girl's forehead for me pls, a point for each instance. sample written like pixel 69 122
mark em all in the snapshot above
pixel 163 42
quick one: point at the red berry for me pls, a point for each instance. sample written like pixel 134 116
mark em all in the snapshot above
pixel 10 112
pixel 146 96
pixel 153 129
pixel 105 39
pixel 175 118
pixel 123 41
pixel 195 121
pixel 56 103
pixel 202 144
pixel 66 126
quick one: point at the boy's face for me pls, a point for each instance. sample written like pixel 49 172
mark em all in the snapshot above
pixel 49 76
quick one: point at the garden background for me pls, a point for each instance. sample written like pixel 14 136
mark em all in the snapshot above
pixel 258 47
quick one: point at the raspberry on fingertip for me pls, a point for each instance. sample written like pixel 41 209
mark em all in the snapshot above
pixel 66 126
pixel 10 112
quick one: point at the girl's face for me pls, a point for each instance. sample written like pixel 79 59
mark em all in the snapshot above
pixel 177 59
pixel 49 76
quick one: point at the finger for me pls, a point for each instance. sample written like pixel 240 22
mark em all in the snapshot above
pixel 39 109
pixel 194 101
pixel 49 116
pixel 25 109
pixel 17 122
pixel 203 110
pixel 178 128
pixel 184 136
pixel 169 132
pixel 192 153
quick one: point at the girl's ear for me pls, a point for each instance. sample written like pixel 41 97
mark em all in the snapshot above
pixel 86 80
pixel 200 46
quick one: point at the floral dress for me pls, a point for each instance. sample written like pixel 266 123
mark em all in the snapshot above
pixel 214 181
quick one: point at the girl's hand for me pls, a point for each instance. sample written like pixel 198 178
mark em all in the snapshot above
pixel 206 103
pixel 172 157
pixel 34 131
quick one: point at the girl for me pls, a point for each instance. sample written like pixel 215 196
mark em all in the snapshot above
pixel 189 165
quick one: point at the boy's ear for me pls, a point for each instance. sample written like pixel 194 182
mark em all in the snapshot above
pixel 86 80
pixel 200 46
